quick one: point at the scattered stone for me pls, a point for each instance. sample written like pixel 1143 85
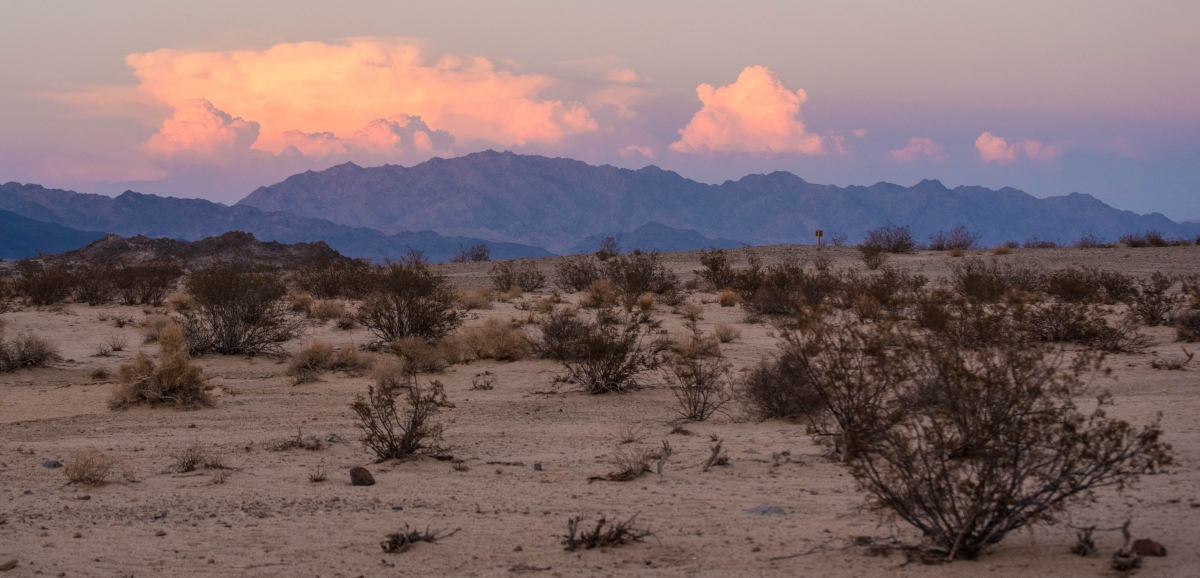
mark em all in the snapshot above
pixel 160 533
pixel 1147 547
pixel 397 508
pixel 51 464
pixel 537 466
pixel 5 567
pixel 518 549
pixel 766 510
pixel 359 476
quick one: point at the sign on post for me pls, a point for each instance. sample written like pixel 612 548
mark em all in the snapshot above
pixel 820 233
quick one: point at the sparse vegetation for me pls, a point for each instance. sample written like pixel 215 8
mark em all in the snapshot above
pixel 891 239
pixel 610 247
pixel 42 285
pixel 92 284
pixel 89 467
pixel 605 533
pixel 410 300
pixel 389 432
pixel 1151 301
pixel 341 279
pixel 195 457
pixel 956 238
pixel 700 385
pixel 240 310
pixel 638 272
pixel 320 356
pixel 145 283
pixel 717 271
pixel 173 380
pixel 610 354
pixel 26 351
pixel 474 254
pixel 403 540
pixel 576 273
pixel 497 340
pixel 520 274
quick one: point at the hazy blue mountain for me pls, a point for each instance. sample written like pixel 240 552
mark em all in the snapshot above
pixel 557 203
pixel 131 214
pixel 22 237
pixel 655 235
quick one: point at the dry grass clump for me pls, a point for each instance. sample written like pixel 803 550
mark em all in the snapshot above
pixel 410 299
pixel 576 272
pixel 422 356
pixel 299 442
pixel 89 467
pixel 606 533
pixel 726 333
pixel 1173 362
pixel 629 465
pixel 496 339
pixel 478 297
pixel 195 457
pixel 154 324
pixel 397 433
pixel 728 298
pixel 320 356
pixel 600 294
pixel 25 351
pixel 1002 250
pixel 181 303
pixel 318 475
pixel 1187 325
pixel 300 301
pixel 325 309
pixel 174 380
pixel 520 274
pixel 400 542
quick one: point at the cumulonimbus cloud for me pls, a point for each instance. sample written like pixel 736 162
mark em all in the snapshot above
pixel 993 148
pixel 199 127
pixel 314 87
pixel 400 134
pixel 754 114
pixel 920 148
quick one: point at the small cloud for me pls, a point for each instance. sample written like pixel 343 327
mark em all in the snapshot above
pixel 637 150
pixel 994 148
pixel 920 148
pixel 626 75
pixel 860 132
pixel 199 128
pixel 398 134
pixel 754 114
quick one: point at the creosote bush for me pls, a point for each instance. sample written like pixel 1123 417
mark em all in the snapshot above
pixel 520 274
pixel 93 284
pixel 145 283
pixel 891 239
pixel 610 354
pixel 340 279
pixel 398 433
pixel 575 273
pixel 477 253
pixel 42 285
pixel 174 380
pixel 956 238
pixel 25 351
pixel 718 271
pixel 636 273
pixel 700 385
pixel 240 310
pixel 1151 301
pixel 409 299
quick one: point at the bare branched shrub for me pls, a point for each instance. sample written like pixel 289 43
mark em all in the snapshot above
pixel 194 457
pixel 970 445
pixel 1151 301
pixel 610 247
pixel 93 284
pixel 153 324
pixel 174 380
pixel 89 467
pixel 403 540
pixel 612 353
pixel 1123 337
pixel 575 273
pixel 43 285
pixel 394 433
pixel 340 279
pixel 872 257
pixel 145 283
pixel 717 271
pixel 605 533
pixel 240 310
pixel 787 289
pixel 410 300
pixel 700 385
pixel 561 333
pixel 891 239
pixel 26 351
pixel 477 253
pixel 521 274
pixel 726 333
pixel 318 475
pixel 1089 240
pixel 640 272
pixel 1036 243
pixel 116 342
pixel 496 339
pixel 1151 238
pixel 1187 325
pixel 956 238
pixel 1174 362
pixel 989 281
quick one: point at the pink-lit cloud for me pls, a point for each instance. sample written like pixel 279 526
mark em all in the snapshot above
pixel 199 127
pixel 400 134
pixel 314 87
pixel 754 114
pixel 637 150
pixel 920 148
pixel 994 148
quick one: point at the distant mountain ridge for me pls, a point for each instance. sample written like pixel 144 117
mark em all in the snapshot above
pixel 131 214
pixel 556 203
pixel 22 237
pixel 655 236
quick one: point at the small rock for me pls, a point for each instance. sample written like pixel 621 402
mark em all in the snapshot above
pixel 766 510
pixel 1147 547
pixel 160 533
pixel 537 466
pixel 518 549
pixel 5 567
pixel 51 464
pixel 359 476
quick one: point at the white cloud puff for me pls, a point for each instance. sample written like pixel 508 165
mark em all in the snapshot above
pixel 200 128
pixel 637 150
pixel 920 148
pixel 396 135
pixel 754 114
pixel 314 87
pixel 993 148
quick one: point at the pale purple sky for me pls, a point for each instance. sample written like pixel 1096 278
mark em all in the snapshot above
pixel 214 99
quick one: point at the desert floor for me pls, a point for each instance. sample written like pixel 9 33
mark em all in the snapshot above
pixel 265 518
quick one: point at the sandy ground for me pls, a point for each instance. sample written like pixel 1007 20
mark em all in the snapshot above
pixel 265 518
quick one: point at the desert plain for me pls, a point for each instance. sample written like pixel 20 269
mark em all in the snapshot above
pixel 262 516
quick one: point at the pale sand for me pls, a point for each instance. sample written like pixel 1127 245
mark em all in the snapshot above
pixel 267 519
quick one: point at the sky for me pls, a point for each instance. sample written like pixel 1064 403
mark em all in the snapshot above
pixel 214 99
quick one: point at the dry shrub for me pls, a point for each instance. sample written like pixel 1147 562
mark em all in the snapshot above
pixel 477 253
pixel 347 322
pixel 989 281
pixel 576 272
pixel 89 467
pixel 7 291
pixel 717 271
pixel 694 344
pixel 872 257
pixel 25 351
pixel 174 380
pixel 496 339
pixel 610 354
pixel 891 239
pixel 194 457
pixel 606 533
pixel 1151 301
pixel 392 433
pixel 421 356
pixel 410 300
pixel 728 298
pixel 43 285
pixel 600 294
pixel 1090 241
pixel 181 303
pixel 485 381
pixel 325 309
pixel 240 310
pixel 300 301
pixel 478 297
pixel 786 289
pixel 644 302
pixel 93 284
pixel 1187 325
pixel 1002 250
pixel 956 252
pixel 1035 243
pixel 310 360
pixel 969 445
pixel 726 333
pixel 154 324
pixel 956 238
pixel 1173 362
pixel 146 283
pixel 771 390
pixel 336 279
pixel 630 464
pixel 297 442
pixel 521 274
pixel 700 385
pixel 1151 238
pixel 400 542
pixel 638 272
pixel 561 332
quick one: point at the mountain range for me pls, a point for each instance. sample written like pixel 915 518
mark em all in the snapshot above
pixel 532 206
